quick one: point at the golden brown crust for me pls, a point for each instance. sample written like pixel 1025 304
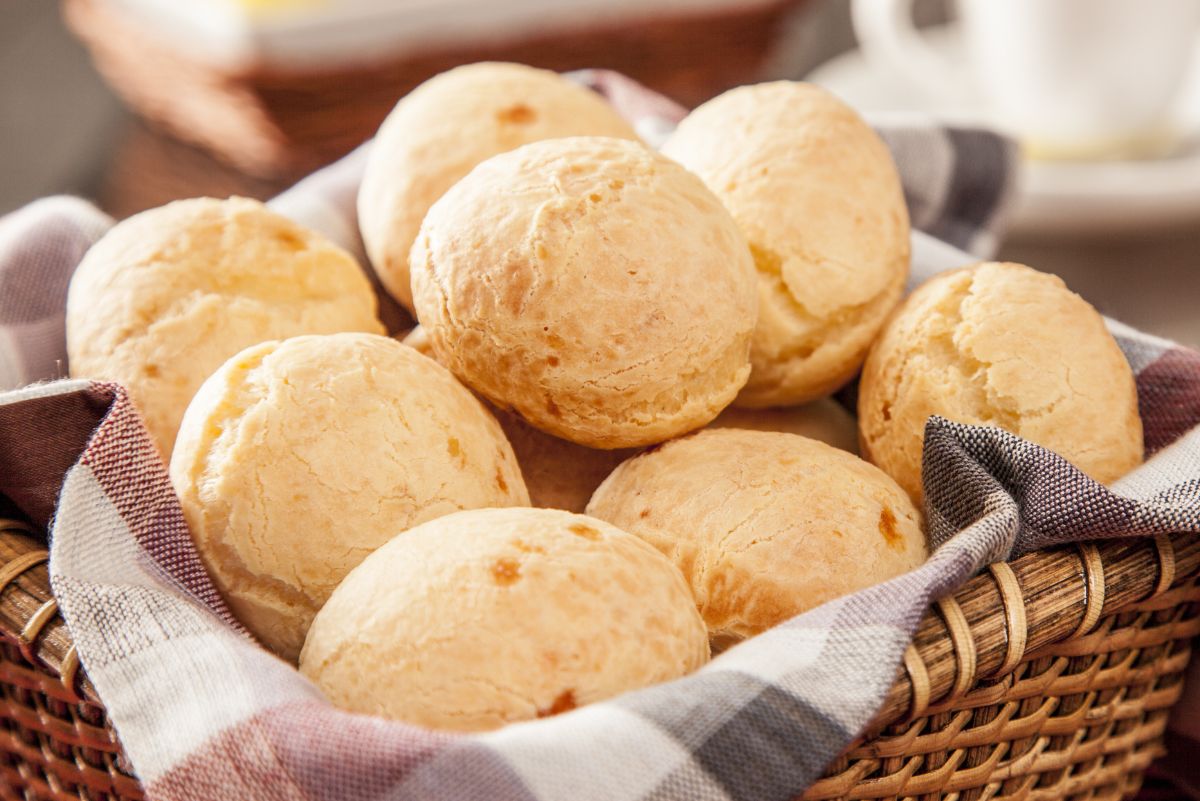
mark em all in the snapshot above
pixel 763 525
pixel 168 295
pixel 483 618
pixel 1000 344
pixel 593 286
pixel 817 195
pixel 442 129
pixel 298 458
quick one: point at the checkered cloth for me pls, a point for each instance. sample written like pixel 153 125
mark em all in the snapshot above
pixel 205 713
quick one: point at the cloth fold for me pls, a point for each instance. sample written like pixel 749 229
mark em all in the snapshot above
pixel 204 713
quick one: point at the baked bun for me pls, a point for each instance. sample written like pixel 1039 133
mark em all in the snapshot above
pixel 593 286
pixel 816 193
pixel 166 296
pixel 1007 346
pixel 446 126
pixel 825 420
pixel 763 525
pixel 482 618
pixel 298 458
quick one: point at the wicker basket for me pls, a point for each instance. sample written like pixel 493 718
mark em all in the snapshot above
pixel 281 124
pixel 1050 677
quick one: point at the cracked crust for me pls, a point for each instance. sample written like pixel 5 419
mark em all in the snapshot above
pixel 817 195
pixel 442 129
pixel 1004 345
pixel 298 458
pixel 591 285
pixel 482 618
pixel 763 525
pixel 168 295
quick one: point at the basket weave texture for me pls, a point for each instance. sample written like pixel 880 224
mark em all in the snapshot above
pixel 1050 677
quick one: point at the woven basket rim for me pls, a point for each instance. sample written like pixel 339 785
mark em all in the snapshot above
pixel 967 653
pixel 1009 613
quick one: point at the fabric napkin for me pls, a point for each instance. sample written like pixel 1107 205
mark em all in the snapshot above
pixel 204 713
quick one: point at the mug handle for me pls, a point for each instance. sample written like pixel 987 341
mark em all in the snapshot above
pixel 889 40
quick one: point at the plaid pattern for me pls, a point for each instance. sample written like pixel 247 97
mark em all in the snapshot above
pixel 205 713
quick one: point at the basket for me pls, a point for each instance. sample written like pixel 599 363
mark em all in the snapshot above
pixel 274 123
pixel 1050 677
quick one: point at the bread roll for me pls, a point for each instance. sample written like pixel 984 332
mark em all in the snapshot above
pixel 298 458
pixel 816 193
pixel 483 618
pixel 591 285
pixel 1007 346
pixel 764 525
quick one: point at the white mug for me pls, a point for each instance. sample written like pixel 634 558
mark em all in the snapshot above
pixel 1072 78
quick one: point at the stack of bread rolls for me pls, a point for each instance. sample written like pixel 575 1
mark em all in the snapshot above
pixel 609 447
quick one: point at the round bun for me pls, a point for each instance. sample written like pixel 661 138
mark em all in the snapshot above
pixel 825 420
pixel 597 288
pixel 1007 346
pixel 559 474
pixel 483 618
pixel 298 458
pixel 168 295
pixel 763 525
pixel 817 195
pixel 446 126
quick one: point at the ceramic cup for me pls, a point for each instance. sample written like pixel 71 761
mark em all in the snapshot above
pixel 1071 78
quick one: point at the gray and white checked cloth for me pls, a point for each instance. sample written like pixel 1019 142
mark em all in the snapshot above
pixel 205 713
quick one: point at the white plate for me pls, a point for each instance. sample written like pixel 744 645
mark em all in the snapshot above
pixel 1055 197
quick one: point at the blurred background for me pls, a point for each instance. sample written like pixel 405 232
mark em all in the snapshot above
pixel 132 103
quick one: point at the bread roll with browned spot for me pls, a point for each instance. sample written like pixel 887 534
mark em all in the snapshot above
pixel 764 525
pixel 591 285
pixel 298 458
pixel 487 617
pixel 446 126
pixel 1006 346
